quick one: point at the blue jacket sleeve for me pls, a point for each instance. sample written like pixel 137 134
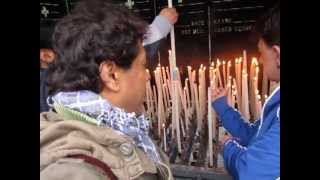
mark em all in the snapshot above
pixel 233 122
pixel 261 160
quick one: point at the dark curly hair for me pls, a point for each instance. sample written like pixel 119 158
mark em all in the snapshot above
pixel 268 26
pixel 95 31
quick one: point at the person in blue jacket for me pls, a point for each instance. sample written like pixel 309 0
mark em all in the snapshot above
pixel 253 151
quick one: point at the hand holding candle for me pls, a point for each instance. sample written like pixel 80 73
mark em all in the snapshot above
pixel 218 93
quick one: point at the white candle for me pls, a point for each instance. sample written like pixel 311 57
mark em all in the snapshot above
pixel 195 88
pixel 229 91
pixel 214 78
pixel 186 112
pixel 245 60
pixel 245 100
pixel 239 78
pixel 152 103
pixel 191 85
pixel 200 107
pixel 190 81
pixel 210 73
pixel 169 90
pixel 164 138
pixel 210 128
pixel 168 74
pixel 228 69
pixel 160 100
pixel 259 105
pixel 238 84
pixel 257 75
pixel 164 96
pixel 219 75
pixel 172 38
pixel 251 85
pixel 237 94
pixel 256 101
pixel 177 114
pixel 233 99
pixel 187 92
pixel 224 74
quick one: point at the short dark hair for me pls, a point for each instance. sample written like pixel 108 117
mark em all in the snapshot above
pixel 95 31
pixel 268 27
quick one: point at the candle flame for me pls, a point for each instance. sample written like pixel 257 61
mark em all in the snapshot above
pixel 265 96
pixel 254 61
pixel 147 70
pixel 229 64
pixel 218 62
pixel 259 97
pixel 223 62
pixel 212 63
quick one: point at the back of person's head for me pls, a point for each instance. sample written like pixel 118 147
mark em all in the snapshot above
pixel 94 32
pixel 268 27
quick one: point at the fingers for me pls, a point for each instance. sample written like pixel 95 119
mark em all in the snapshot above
pixel 171 14
pixel 218 92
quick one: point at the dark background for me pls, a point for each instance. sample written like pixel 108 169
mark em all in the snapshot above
pixel 228 21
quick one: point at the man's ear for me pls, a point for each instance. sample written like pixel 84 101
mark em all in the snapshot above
pixel 110 75
pixel 276 50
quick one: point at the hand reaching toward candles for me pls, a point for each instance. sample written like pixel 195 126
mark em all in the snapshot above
pixel 218 93
pixel 171 14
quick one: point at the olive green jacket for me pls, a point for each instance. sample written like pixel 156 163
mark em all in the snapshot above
pixel 68 132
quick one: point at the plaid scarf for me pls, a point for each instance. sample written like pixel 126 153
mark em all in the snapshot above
pixel 93 105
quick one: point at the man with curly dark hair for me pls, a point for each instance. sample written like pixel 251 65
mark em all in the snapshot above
pixel 157 30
